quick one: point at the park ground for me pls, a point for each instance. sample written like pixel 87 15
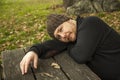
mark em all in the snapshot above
pixel 22 22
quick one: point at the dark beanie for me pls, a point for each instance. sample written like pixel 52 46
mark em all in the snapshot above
pixel 53 21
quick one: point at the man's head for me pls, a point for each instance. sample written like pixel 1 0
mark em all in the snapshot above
pixel 61 27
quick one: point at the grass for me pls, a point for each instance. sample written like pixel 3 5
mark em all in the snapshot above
pixel 22 22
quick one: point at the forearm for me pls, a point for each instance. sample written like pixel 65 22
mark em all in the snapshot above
pixel 48 48
pixel 37 48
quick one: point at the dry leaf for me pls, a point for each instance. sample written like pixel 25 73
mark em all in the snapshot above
pixel 55 65
pixel 46 74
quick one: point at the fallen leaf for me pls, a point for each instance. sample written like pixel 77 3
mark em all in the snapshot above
pixel 55 65
pixel 46 74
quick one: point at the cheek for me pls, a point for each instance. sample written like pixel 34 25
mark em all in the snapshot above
pixel 67 29
pixel 73 37
pixel 71 28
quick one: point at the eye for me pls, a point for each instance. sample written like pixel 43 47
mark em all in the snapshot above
pixel 58 37
pixel 60 29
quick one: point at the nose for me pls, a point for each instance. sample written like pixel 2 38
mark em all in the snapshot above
pixel 62 35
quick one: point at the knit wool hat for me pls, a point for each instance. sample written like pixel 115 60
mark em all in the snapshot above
pixel 53 21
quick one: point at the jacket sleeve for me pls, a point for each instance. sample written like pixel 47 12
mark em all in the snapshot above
pixel 48 48
pixel 88 37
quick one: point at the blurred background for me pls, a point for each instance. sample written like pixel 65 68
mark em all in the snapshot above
pixel 23 22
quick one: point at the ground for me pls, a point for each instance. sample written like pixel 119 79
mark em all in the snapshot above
pixel 22 22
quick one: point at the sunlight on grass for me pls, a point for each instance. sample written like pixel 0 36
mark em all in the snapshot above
pixel 23 22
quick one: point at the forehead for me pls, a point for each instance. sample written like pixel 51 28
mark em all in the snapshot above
pixel 56 30
pixel 62 25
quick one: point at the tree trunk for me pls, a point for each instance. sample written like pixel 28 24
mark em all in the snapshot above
pixel 68 3
pixel 77 7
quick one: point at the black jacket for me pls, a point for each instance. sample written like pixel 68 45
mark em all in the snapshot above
pixel 97 45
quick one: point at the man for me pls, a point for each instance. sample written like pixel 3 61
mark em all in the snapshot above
pixel 88 40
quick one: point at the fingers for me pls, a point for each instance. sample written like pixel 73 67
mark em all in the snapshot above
pixel 24 65
pixel 35 62
pixel 27 59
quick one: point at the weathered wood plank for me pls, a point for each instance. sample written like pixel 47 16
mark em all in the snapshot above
pixel 74 70
pixel 1 72
pixel 11 60
pixel 69 70
pixel 46 72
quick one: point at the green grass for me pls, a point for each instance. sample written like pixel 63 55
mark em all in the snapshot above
pixel 22 22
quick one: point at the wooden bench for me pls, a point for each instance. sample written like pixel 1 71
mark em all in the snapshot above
pixel 60 67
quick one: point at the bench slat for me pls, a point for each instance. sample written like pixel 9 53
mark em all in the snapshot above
pixel 69 70
pixel 46 72
pixel 1 72
pixel 11 60
pixel 74 70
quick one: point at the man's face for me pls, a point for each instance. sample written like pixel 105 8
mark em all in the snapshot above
pixel 66 32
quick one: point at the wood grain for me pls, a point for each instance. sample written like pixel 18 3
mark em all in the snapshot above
pixel 11 60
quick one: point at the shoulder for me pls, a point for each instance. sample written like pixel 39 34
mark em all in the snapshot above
pixel 92 25
pixel 92 19
pixel 88 18
pixel 93 22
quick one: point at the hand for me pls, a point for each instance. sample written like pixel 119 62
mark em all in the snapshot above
pixel 30 57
